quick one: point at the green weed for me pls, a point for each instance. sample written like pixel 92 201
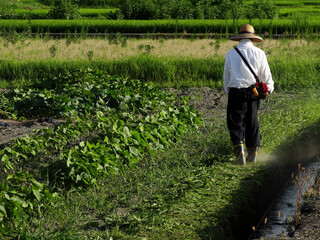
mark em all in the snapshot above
pixel 53 50
pixel 111 124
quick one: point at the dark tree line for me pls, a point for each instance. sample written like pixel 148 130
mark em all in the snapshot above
pixel 177 9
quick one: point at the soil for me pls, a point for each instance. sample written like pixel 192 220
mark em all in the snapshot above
pixel 9 129
pixel 212 105
pixel 309 223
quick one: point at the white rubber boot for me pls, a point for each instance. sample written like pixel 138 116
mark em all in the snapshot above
pixel 252 154
pixel 239 152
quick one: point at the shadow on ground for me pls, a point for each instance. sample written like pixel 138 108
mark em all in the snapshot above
pixel 256 193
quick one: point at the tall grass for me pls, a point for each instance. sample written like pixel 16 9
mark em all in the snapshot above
pixel 178 72
pixel 163 71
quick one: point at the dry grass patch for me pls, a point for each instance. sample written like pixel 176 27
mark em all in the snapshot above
pixel 97 49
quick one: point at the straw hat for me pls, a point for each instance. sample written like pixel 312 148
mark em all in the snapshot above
pixel 246 32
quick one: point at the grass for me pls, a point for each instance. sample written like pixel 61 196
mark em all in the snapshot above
pixel 191 191
pixel 302 112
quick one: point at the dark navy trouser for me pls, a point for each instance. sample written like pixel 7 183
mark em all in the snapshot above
pixel 242 117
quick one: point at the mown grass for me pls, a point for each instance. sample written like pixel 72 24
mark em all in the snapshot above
pixel 192 191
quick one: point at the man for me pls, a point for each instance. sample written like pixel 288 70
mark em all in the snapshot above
pixel 242 111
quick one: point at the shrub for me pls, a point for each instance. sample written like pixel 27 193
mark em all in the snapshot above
pixel 138 9
pixel 264 10
pixel 64 9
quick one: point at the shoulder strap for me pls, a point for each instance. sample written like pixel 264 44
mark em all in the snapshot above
pixel 246 62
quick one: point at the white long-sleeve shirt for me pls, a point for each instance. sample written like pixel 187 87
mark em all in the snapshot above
pixel 236 73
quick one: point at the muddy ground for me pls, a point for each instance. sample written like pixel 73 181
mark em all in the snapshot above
pixel 212 105
pixel 309 223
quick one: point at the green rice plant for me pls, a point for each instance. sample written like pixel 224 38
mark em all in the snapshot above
pixel 307 10
pixel 152 26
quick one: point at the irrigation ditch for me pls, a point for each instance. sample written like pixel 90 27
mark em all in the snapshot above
pixel 280 200
pixel 283 216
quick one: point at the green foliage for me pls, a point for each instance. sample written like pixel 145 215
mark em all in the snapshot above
pixel 125 119
pixel 138 9
pixel 64 9
pixel 180 9
pixel 264 10
pixel 184 9
pixel 191 191
pixel 90 3
pixel 110 123
pixel 21 198
pixel 166 9
pixel 233 9
pixel 84 13
pixel 5 7
pixel 188 192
